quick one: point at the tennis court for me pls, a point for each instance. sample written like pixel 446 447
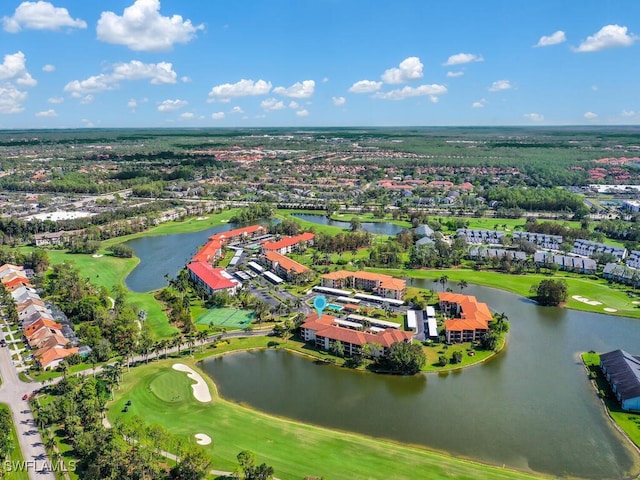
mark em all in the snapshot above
pixel 226 317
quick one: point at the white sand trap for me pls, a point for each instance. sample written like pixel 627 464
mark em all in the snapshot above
pixel 200 388
pixel 202 218
pixel 202 439
pixel 96 255
pixel 636 302
pixel 607 309
pixel 586 300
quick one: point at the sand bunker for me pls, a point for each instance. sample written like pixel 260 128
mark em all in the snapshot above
pixel 586 300
pixel 636 302
pixel 96 255
pixel 200 388
pixel 611 310
pixel 201 218
pixel 202 439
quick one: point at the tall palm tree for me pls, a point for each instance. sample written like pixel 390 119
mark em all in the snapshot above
pixel 462 284
pixel 443 280
pixel 202 336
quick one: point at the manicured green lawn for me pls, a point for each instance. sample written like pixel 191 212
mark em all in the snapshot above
pixel 500 223
pixel 610 296
pixel 16 454
pixel 628 422
pixel 293 449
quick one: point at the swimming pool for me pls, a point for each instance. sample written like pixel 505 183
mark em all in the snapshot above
pixel 335 307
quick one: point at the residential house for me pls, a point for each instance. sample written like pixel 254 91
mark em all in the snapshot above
pixel 468 319
pixel 474 236
pixel 326 330
pixel 622 371
pixel 482 252
pixel 542 240
pixel 383 285
pixel 587 248
pixel 285 267
pixel 290 244
pixel 565 262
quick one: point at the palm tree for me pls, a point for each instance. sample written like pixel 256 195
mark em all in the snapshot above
pixel 191 341
pixel 202 336
pixel 443 280
pixel 462 284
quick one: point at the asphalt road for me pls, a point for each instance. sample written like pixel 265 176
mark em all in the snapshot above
pixel 37 464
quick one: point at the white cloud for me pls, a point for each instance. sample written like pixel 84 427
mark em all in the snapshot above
pixel 338 101
pixel 500 85
pixel 409 69
pixel 590 115
pixel 553 39
pixel 365 86
pixel 13 69
pixel 302 113
pixel 185 79
pixel 462 58
pixel 88 123
pixel 243 88
pixel 302 89
pixel 56 100
pixel 609 36
pixel 187 115
pixel 40 16
pixel 217 115
pixel 423 90
pixel 236 110
pixel 86 99
pixel 11 99
pixel 454 74
pixel 628 113
pixel 142 28
pixel 480 103
pixel 293 105
pixel 534 117
pixel 133 103
pixel 172 105
pixel 271 104
pixel 47 113
pixel 325 79
pixel 156 73
pixel 49 68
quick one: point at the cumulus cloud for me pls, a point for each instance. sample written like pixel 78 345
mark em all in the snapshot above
pixel 500 85
pixel 187 115
pixel 302 113
pixel 365 86
pixel 462 58
pixel 185 79
pixel 454 74
pixel 432 91
pixel 14 69
pixel 243 88
pixel 141 27
pixel 172 105
pixel 628 113
pixel 55 100
pixel 40 16
pixel 133 103
pixel 272 104
pixel 409 69
pixel 49 68
pixel 534 117
pixel 47 113
pixel 480 103
pixel 338 101
pixel 11 99
pixel 217 115
pixel 86 99
pixel 302 89
pixel 590 115
pixel 236 110
pixel 553 39
pixel 609 36
pixel 293 104
pixel 156 73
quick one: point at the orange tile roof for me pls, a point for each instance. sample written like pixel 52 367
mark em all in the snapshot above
pixel 475 315
pixel 386 281
pixel 38 324
pixel 289 241
pixel 238 232
pixel 16 282
pixel 324 327
pixel 53 341
pixel 208 252
pixel 211 249
pixel 285 262
pixel 55 353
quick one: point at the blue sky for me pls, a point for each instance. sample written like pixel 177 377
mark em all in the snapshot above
pixel 231 63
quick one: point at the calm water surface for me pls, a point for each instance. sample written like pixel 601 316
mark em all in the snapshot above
pixel 165 255
pixel 379 228
pixel 531 407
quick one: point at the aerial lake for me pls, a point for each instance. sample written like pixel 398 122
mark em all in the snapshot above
pixel 165 255
pixel 531 407
pixel 379 228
